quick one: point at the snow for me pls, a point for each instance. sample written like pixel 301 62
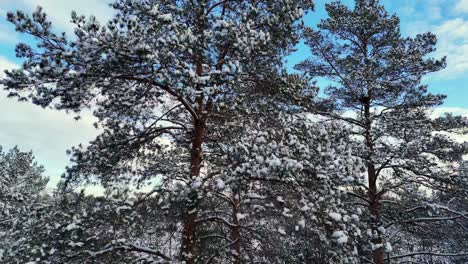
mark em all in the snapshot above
pixel 120 208
pixel 154 10
pixel 220 24
pixel 285 152
pixel 76 244
pixel 342 238
pixel 280 199
pixel 220 184
pixel 305 208
pixel 349 179
pixel 301 223
pixel 241 216
pixel 204 79
pixel 376 246
pixel 281 231
pixel 335 216
pixel 254 196
pixel 388 247
pixel 286 213
pixel 381 229
pixel 274 161
pixel 197 183
pixel 71 226
pixel 165 17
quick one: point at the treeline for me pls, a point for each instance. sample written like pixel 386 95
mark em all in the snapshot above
pixel 212 152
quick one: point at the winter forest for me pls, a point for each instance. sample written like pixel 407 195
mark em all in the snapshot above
pixel 212 150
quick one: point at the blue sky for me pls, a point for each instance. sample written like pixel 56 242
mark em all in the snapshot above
pixel 49 133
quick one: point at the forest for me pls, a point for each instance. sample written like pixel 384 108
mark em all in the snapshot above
pixel 211 149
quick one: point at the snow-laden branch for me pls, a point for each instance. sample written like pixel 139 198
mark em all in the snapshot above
pixel 216 219
pixel 166 88
pixel 125 247
pixel 445 208
pixel 435 254
pixel 424 219
pixel 359 196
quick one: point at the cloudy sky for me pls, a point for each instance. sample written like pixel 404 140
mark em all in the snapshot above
pixel 50 133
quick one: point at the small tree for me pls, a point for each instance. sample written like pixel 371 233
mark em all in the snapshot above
pixel 376 76
pixel 21 182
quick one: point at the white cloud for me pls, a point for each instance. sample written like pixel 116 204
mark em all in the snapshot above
pixel 461 6
pixel 440 111
pixel 48 133
pixel 59 11
pixel 453 42
pixel 451 28
pixel 454 29
pixel 5 64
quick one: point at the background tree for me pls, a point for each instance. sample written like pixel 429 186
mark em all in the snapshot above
pixel 21 182
pixel 376 76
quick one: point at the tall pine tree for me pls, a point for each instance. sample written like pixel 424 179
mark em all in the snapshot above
pixel 376 88
pixel 153 74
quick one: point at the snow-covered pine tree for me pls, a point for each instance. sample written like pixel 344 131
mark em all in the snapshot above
pixel 21 182
pixel 273 187
pixel 153 74
pixel 60 228
pixel 376 89
pixel 454 232
pixel 293 179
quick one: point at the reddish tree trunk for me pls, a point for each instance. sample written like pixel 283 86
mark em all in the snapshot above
pixel 189 224
pixel 374 198
pixel 188 237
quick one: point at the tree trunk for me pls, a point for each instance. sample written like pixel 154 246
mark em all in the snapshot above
pixel 374 198
pixel 189 224
pixel 377 254
pixel 235 231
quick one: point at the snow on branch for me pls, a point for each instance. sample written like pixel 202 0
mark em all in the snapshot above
pixel 125 247
pixel 435 254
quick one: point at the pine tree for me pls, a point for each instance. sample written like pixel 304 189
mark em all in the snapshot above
pixel 376 81
pixel 21 182
pixel 153 74
pixel 274 165
pixel 296 174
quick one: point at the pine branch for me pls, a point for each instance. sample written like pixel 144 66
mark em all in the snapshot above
pixel 435 254
pixel 124 247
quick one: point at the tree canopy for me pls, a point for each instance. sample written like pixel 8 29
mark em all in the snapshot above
pixel 212 151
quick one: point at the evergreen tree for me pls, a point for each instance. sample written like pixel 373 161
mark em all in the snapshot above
pixel 154 74
pixel 274 165
pixel 211 153
pixel 294 176
pixel 21 182
pixel 376 75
